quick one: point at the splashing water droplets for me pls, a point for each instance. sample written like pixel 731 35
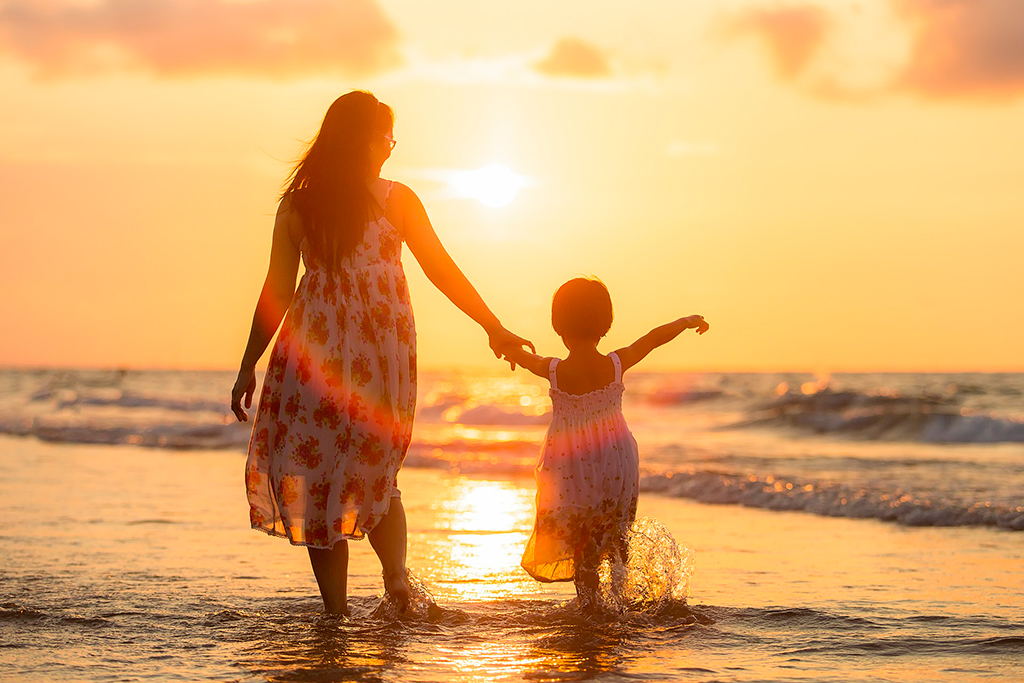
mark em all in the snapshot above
pixel 657 571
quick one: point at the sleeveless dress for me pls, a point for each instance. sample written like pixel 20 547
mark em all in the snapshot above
pixel 588 479
pixel 335 414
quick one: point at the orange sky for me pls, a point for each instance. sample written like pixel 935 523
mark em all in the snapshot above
pixel 834 185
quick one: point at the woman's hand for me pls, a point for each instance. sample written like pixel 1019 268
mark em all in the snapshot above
pixel 245 386
pixel 502 341
pixel 698 323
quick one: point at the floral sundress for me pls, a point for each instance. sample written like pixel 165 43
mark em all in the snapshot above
pixel 588 479
pixel 335 414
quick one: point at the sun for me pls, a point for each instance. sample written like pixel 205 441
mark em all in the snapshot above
pixel 493 185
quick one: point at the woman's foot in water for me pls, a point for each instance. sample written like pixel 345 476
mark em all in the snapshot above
pixel 336 610
pixel 397 587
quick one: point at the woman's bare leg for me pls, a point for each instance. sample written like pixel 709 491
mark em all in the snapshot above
pixel 330 567
pixel 389 540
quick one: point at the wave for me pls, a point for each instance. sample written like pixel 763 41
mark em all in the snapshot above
pixel 118 398
pixel 490 414
pixel 830 500
pixel 500 459
pixel 667 397
pixel 922 418
pixel 173 435
pixel 69 427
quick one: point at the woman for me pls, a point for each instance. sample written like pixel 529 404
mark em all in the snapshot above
pixel 335 414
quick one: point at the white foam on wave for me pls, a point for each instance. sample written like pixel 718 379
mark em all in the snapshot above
pixel 831 500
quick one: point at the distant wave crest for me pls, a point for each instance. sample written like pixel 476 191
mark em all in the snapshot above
pixel 830 500
pixel 866 416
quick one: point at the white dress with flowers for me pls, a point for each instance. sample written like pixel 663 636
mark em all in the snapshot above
pixel 588 480
pixel 336 411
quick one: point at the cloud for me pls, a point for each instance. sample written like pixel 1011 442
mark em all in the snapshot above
pixel 953 49
pixel 964 48
pixel 793 35
pixel 266 38
pixel 574 58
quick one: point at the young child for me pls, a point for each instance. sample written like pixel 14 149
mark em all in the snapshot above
pixel 588 473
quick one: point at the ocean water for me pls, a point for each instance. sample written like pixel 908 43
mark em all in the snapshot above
pixel 853 527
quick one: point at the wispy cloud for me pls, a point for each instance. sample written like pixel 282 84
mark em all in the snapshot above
pixel 792 35
pixel 262 38
pixel 575 58
pixel 521 69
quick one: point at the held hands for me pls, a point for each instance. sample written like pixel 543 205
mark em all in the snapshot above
pixel 502 342
pixel 244 387
pixel 696 322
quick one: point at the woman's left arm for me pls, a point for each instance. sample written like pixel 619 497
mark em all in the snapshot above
pixel 443 273
pixel 276 296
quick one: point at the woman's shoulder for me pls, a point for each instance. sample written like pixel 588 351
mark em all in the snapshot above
pixel 402 206
pixel 289 212
pixel 400 194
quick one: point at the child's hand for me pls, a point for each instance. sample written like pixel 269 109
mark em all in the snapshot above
pixel 503 343
pixel 697 322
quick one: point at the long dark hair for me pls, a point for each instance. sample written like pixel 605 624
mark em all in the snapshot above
pixel 328 186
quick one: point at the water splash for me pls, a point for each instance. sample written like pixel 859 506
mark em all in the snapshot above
pixel 656 573
pixel 422 606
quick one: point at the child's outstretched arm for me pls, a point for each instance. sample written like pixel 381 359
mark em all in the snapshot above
pixel 538 365
pixel 638 350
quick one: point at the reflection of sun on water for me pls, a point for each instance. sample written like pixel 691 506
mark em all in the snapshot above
pixel 488 523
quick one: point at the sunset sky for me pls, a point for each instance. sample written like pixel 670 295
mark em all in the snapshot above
pixel 835 185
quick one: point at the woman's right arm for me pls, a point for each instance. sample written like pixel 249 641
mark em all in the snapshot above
pixel 443 273
pixel 276 296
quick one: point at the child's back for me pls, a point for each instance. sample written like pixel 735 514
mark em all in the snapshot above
pixel 587 476
pixel 583 372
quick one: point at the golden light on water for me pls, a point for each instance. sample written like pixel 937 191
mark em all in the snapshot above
pixel 487 525
pixel 490 506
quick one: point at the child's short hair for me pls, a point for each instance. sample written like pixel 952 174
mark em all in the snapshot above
pixel 582 309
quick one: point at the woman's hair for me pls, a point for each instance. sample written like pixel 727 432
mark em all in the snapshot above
pixel 582 309
pixel 328 186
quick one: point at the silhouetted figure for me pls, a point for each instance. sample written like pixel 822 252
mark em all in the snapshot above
pixel 589 471
pixel 335 415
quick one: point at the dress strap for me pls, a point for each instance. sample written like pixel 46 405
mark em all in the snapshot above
pixel 387 193
pixel 618 365
pixel 551 373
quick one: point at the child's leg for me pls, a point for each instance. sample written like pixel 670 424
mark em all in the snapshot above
pixel 389 540
pixel 330 567
pixel 586 578
pixel 619 556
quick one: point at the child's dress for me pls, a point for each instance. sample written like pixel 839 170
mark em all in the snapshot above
pixel 587 479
